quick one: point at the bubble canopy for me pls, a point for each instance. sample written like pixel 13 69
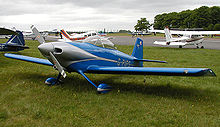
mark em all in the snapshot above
pixel 100 41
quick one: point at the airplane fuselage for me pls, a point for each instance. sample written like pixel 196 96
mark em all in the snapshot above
pixel 188 40
pixel 79 56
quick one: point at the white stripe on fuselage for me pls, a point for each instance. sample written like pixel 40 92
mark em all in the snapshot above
pixel 75 54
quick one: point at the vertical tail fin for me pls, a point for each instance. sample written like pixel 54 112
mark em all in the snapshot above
pixel 65 34
pixel 138 49
pixel 168 34
pixel 138 52
pixel 16 39
pixel 37 34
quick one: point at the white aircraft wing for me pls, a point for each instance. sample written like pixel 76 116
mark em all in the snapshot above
pixel 160 43
pixel 187 32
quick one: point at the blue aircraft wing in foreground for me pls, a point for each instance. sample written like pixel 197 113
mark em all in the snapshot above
pixel 151 71
pixel 89 57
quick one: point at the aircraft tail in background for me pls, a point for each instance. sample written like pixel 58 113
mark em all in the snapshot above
pixel 168 34
pixel 65 34
pixel 16 39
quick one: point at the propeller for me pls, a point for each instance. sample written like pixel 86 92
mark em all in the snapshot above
pixel 57 64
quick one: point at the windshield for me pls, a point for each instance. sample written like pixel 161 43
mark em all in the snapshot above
pixel 100 41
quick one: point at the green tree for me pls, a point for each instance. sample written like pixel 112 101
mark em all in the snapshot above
pixel 203 17
pixel 142 25
pixel 217 27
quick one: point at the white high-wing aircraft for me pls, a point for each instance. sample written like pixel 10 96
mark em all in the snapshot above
pixel 76 36
pixel 188 38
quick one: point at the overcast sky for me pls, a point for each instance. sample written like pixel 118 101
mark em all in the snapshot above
pixel 82 15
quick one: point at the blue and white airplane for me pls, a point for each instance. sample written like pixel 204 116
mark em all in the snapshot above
pixel 16 41
pixel 86 57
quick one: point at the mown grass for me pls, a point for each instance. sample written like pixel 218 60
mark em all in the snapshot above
pixel 135 100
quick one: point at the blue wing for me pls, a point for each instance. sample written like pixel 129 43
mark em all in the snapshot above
pixel 151 71
pixel 29 59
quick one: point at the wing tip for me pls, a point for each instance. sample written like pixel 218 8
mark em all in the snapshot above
pixel 208 72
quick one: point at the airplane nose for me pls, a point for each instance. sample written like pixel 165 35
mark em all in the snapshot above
pixel 45 48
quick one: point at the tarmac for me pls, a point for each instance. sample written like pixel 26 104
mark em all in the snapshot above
pixel 208 43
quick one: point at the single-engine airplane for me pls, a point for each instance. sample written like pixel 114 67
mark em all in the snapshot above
pixel 87 57
pixel 81 36
pixel 16 41
pixel 188 38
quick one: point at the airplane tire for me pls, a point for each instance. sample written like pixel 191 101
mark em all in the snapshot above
pixel 180 46
pixel 197 47
pixel 202 47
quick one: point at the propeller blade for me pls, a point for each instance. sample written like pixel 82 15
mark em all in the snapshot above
pixel 37 34
pixel 57 64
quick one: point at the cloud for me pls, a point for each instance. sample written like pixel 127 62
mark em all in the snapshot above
pixel 90 14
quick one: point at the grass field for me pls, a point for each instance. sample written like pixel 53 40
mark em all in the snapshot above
pixel 135 100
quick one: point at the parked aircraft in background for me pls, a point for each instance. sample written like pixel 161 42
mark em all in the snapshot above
pixel 141 33
pixel 187 38
pixel 75 36
pixel 16 41
pixel 32 36
pixel 88 57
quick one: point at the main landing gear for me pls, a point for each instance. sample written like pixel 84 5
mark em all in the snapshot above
pixel 197 46
pixel 52 81
pixel 101 89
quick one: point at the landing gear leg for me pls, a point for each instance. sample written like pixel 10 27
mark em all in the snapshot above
pixel 102 88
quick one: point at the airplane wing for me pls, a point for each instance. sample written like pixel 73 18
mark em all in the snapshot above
pixel 29 59
pixel 151 71
pixel 4 31
pixel 194 32
pixel 187 32
pixel 170 43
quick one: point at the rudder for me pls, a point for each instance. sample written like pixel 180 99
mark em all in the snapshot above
pixel 168 34
pixel 17 39
pixel 138 49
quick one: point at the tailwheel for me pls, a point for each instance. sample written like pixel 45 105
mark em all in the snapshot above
pixel 103 88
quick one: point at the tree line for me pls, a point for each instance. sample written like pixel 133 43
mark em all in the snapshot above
pixel 204 17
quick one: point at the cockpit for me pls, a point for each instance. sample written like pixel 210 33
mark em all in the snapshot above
pixel 100 42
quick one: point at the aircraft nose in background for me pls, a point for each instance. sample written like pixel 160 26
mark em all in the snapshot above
pixel 45 48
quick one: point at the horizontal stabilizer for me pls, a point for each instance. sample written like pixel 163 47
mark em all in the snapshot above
pixel 29 59
pixel 152 71
pixel 169 43
pixel 145 60
pixel 20 46
pixel 160 43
